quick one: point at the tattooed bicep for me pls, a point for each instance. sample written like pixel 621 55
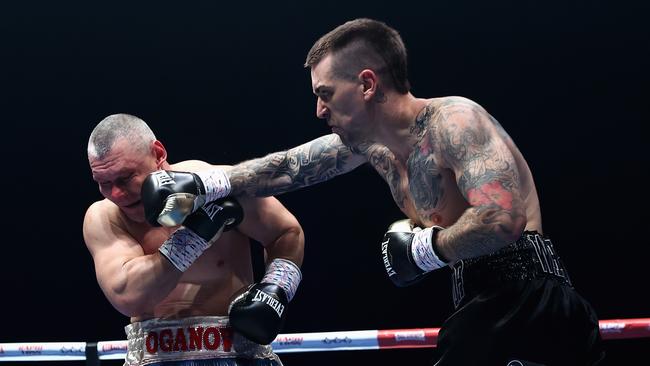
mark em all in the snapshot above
pixel 485 168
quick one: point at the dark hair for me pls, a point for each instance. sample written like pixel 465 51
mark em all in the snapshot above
pixel 370 43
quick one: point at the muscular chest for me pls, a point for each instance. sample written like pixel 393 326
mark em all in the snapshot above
pixel 422 189
pixel 151 238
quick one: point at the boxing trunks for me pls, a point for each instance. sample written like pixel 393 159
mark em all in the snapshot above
pixel 517 306
pixel 193 341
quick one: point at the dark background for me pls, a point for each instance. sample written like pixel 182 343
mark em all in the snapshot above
pixel 223 82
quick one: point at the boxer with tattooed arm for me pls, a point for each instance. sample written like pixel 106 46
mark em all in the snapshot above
pixel 465 188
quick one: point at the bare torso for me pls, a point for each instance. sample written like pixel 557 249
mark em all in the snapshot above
pixel 208 286
pixel 427 191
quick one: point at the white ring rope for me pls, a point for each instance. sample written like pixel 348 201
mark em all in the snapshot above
pixel 296 342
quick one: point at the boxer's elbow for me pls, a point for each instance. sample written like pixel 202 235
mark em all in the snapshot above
pixel 126 300
pixel 290 244
pixel 505 225
pixel 510 226
pixel 130 305
pixel 295 239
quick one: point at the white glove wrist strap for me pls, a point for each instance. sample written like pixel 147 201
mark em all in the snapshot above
pixel 284 273
pixel 216 183
pixel 183 247
pixel 422 250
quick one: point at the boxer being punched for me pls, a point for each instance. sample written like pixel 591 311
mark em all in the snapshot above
pixel 461 181
pixel 179 284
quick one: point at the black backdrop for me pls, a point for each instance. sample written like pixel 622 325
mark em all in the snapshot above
pixel 223 82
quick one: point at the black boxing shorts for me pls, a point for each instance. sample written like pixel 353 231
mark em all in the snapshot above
pixel 517 306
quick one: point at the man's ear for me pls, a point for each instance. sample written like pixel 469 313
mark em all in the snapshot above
pixel 160 152
pixel 368 79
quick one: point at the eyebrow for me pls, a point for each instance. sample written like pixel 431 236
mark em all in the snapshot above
pixel 320 88
pixel 99 181
pixel 121 174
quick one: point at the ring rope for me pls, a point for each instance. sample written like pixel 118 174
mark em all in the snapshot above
pixel 294 342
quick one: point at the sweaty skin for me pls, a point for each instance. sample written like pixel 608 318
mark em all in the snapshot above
pixel 463 172
pixel 139 281
pixel 207 286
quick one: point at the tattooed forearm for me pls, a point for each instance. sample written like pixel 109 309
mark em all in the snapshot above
pixel 285 171
pixel 479 231
pixel 487 176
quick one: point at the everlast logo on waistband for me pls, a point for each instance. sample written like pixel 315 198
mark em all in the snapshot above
pixel 270 301
pixel 189 339
pixel 384 253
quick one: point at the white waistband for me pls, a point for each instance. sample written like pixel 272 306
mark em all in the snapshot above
pixel 192 338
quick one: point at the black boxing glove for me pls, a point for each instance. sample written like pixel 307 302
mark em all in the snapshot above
pixel 169 197
pixel 214 217
pixel 259 313
pixel 408 252
pixel 201 229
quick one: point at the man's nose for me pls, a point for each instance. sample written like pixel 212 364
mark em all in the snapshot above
pixel 321 109
pixel 118 192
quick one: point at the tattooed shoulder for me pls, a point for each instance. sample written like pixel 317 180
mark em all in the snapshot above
pixel 471 145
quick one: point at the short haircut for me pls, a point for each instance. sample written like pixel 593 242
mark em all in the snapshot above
pixel 364 43
pixel 117 126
